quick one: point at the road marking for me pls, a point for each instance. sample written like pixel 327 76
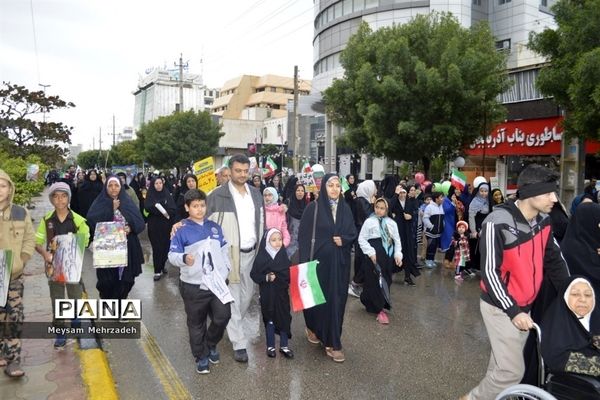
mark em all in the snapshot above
pixel 172 385
pixel 96 375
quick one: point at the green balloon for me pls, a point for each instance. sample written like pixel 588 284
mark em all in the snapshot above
pixel 445 187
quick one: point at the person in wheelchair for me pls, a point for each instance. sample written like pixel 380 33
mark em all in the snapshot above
pixel 571 331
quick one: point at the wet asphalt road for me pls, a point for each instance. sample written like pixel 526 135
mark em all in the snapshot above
pixel 435 347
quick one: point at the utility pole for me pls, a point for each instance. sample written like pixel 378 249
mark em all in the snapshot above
pixel 114 142
pixel 100 139
pixel 181 65
pixel 296 130
pixel 44 110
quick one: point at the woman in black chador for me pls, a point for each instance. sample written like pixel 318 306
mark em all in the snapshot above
pixel 404 209
pixel 161 208
pixel 571 330
pixel 114 204
pixel 334 232
pixel 271 271
pixel 88 191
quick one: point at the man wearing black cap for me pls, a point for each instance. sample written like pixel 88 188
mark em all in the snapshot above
pixel 517 250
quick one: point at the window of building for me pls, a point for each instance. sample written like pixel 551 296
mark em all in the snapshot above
pixel 503 45
pixel 347 7
pixel 371 3
pixel 523 89
pixel 504 1
pixel 337 10
pixel 477 2
pixel 279 130
pixel 359 5
pixel 544 3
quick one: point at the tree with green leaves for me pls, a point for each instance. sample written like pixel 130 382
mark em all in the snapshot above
pixel 17 168
pixel 572 75
pixel 179 139
pixel 418 90
pixel 24 127
pixel 93 158
pixel 128 152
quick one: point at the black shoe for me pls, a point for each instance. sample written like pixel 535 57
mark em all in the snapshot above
pixel 157 277
pixel 240 356
pixel 164 271
pixel 409 282
pixel 287 352
pixel 271 352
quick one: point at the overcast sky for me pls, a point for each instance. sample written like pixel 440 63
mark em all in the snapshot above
pixel 92 52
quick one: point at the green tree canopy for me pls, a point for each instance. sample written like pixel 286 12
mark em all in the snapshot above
pixel 16 168
pixel 418 90
pixel 572 76
pixel 93 158
pixel 23 130
pixel 128 152
pixel 181 138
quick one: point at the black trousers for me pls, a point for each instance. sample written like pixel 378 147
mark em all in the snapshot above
pixel 432 246
pixel 199 305
pixel 359 267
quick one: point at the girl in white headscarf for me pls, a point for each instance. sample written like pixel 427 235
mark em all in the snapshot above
pixel 271 271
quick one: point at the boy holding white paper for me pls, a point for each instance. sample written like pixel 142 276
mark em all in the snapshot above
pixel 200 250
pixel 60 221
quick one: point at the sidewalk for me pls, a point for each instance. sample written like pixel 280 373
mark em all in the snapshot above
pixel 49 373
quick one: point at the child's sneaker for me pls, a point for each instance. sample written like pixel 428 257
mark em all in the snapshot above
pixel 60 342
pixel 213 355
pixel 287 352
pixel 458 278
pixel 469 272
pixel 202 366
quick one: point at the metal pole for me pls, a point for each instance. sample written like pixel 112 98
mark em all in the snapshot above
pixel 181 82
pixel 296 129
pixel 44 110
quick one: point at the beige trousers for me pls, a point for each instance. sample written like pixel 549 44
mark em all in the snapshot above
pixel 506 366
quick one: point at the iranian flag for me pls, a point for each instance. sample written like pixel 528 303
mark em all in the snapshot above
pixel 270 164
pixel 305 290
pixel 458 179
pixel 306 167
pixel 345 184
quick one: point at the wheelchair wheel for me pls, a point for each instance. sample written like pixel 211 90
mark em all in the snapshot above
pixel 524 392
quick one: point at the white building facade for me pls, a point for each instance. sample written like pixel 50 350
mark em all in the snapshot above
pixel 158 94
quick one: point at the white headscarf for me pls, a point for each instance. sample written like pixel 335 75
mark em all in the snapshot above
pixel 585 320
pixel 366 189
pixel 274 193
pixel 270 249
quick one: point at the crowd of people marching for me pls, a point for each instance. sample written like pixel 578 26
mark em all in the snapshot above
pixel 250 230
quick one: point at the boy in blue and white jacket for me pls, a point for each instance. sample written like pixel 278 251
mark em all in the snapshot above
pixel 201 252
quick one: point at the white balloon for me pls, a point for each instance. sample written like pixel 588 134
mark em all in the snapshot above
pixel 459 162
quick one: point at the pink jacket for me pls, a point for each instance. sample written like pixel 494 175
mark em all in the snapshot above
pixel 276 218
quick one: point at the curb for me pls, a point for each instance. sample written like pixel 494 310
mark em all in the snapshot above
pixel 96 375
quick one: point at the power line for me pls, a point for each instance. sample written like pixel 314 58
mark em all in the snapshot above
pixel 245 12
pixel 257 35
pixel 35 49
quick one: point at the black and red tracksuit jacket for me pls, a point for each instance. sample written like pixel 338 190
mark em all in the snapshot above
pixel 515 256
